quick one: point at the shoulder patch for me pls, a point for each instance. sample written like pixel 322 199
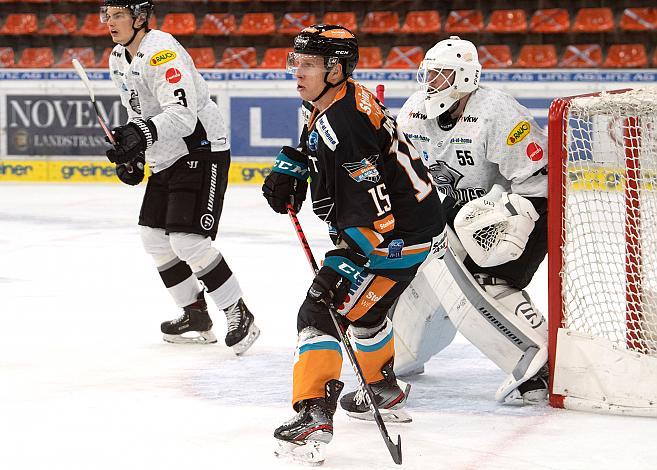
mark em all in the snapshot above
pixel 162 57
pixel 327 133
pixel 518 133
pixel 363 170
pixel 365 103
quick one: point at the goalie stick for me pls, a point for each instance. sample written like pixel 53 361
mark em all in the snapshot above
pixel 87 83
pixel 395 450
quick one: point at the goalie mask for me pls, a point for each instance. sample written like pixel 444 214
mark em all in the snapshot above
pixel 140 9
pixel 334 44
pixel 450 71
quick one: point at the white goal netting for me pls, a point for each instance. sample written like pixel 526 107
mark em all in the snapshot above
pixel 609 272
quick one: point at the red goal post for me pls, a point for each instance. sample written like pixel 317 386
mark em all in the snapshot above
pixel 602 252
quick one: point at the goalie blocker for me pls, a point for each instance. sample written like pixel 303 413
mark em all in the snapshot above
pixel 497 318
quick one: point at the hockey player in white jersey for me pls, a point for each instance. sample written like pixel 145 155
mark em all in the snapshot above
pixel 488 159
pixel 175 127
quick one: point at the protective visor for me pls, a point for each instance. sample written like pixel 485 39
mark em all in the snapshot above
pixel 433 79
pixel 308 63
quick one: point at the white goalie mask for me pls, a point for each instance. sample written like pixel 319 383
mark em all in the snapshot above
pixel 450 70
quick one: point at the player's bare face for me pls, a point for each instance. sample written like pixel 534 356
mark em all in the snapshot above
pixel 309 74
pixel 119 23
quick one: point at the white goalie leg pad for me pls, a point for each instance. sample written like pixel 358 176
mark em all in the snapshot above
pixel 421 325
pixel 507 329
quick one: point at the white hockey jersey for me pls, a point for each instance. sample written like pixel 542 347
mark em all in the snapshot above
pixel 495 141
pixel 162 84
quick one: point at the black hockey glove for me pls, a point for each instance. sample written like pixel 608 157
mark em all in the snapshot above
pixel 340 270
pixel 131 173
pixel 288 180
pixel 131 140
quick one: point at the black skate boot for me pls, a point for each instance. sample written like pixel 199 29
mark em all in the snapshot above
pixel 390 399
pixel 242 330
pixel 194 320
pixel 535 390
pixel 304 437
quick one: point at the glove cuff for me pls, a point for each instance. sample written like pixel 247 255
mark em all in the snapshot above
pixel 145 128
pixel 288 162
pixel 347 263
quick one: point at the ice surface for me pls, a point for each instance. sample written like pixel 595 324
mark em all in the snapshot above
pixel 87 383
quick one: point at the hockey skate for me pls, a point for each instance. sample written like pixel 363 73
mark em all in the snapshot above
pixel 532 392
pixel 194 326
pixel 390 399
pixel 304 437
pixel 242 330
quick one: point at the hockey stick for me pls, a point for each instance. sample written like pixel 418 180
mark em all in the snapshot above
pixel 85 79
pixel 395 450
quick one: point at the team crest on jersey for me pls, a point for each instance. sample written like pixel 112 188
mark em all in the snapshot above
pixel 162 57
pixel 313 140
pixel 134 102
pixel 364 170
pixel 445 178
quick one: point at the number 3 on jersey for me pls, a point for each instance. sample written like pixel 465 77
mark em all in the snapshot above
pixel 180 94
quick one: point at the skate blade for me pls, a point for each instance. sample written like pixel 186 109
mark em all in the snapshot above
pixel 246 342
pixel 201 337
pixel 309 453
pixel 389 416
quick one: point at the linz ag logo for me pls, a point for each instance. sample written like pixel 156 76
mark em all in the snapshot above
pixel 518 133
pixel 162 57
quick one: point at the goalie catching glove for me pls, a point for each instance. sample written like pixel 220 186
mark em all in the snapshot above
pixel 494 229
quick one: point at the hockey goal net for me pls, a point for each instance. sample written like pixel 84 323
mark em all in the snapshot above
pixel 603 252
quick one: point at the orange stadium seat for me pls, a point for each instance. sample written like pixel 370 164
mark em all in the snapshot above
pixel 238 58
pixel 421 22
pixel 218 24
pixel 639 19
pixel 275 58
pixel 59 24
pixel 626 56
pixel 404 57
pixel 292 23
pixel 539 56
pixel 85 55
pixel 380 22
pixel 654 58
pixel 370 58
pixel 36 57
pixel 103 62
pixel 19 24
pixel 7 57
pixel 507 21
pixel 464 21
pixel 594 20
pixel 257 24
pixel 343 18
pixel 179 24
pixel 203 57
pixel 495 56
pixel 91 26
pixel 550 20
pixel 582 56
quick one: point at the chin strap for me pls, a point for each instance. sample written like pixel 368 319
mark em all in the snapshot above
pixel 135 31
pixel 328 85
pixel 445 120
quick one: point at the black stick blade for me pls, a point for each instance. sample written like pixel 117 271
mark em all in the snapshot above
pixel 395 450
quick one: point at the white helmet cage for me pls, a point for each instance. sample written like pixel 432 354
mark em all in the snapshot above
pixel 458 56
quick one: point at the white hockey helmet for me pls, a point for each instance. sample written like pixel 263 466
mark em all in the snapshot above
pixel 460 61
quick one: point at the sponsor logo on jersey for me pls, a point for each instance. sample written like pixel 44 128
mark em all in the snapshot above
pixel 418 137
pixel 384 225
pixel 134 72
pixel 313 140
pixel 518 133
pixel 417 115
pixel 139 54
pixel 327 133
pixel 534 151
pixel 364 170
pixel 116 54
pixel 468 118
pixel 366 104
pixel 173 75
pixel 460 140
pixel 162 57
pixel 395 248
